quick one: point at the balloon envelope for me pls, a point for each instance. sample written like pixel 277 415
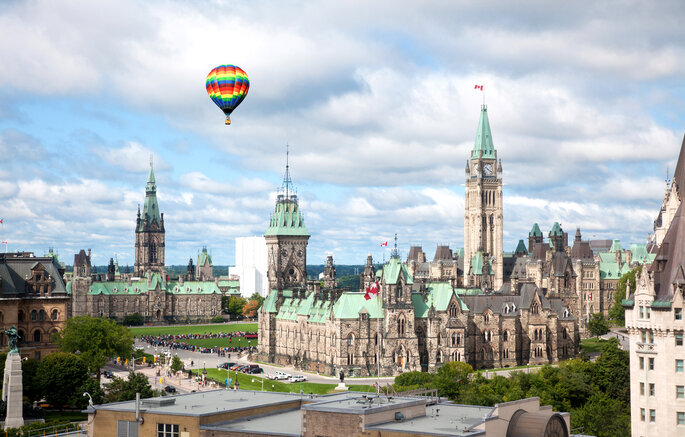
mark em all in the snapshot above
pixel 227 86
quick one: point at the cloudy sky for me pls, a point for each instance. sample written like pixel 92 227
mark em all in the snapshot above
pixel 376 100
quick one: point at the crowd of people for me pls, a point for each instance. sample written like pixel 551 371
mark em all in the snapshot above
pixel 179 342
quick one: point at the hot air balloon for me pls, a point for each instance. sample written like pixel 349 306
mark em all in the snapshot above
pixel 227 86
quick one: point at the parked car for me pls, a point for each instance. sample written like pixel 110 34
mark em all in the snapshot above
pixel 282 375
pixel 226 365
pixel 297 378
pixel 170 389
pixel 107 374
pixel 235 366
pixel 255 370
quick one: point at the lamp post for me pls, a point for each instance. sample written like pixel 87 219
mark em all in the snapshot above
pixel 262 383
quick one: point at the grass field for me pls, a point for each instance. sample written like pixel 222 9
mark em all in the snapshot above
pixel 193 329
pixel 591 345
pixel 246 383
pixel 221 342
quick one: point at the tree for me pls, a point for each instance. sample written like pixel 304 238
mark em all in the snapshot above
pixel 250 308
pixel 176 364
pixel 61 375
pixel 125 389
pixel 95 340
pixel 32 388
pixel 598 325
pixel 617 312
pixel 602 416
pixel 235 306
pixel 134 319
pixel 451 378
pixel 258 297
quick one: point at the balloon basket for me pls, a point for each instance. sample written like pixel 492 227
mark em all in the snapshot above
pixel 228 121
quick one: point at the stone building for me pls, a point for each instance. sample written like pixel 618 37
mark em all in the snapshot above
pixel 654 319
pixel 483 219
pixel 33 297
pixel 193 297
pixel 415 324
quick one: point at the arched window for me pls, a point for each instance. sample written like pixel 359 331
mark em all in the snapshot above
pixel 36 336
pixel 375 339
pixel 54 314
pixel 350 339
pixel 401 326
pixel 34 315
pixel 486 318
pixel 439 339
pixel 438 357
pixel 565 333
pixel 41 315
pixel 505 336
pixel 454 339
pixel 458 339
pixel 453 309
pixel 535 309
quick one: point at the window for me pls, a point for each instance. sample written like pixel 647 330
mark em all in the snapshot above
pixel 679 339
pixel 680 391
pixel 54 315
pixel 505 336
pixel 651 364
pixel 642 414
pixel 644 337
pixel 350 339
pixel 648 311
pixel 642 312
pixel 652 415
pixel 680 416
pixel 36 336
pixel 642 363
pixel 127 428
pixel 453 309
pixel 651 337
pixel 642 388
pixel 34 315
pixel 651 389
pixel 678 313
pixel 679 366
pixel 167 430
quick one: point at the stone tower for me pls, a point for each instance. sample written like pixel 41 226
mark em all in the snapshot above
pixel 149 233
pixel 286 240
pixel 483 204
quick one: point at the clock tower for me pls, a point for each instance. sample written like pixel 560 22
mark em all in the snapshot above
pixel 483 209
pixel 286 240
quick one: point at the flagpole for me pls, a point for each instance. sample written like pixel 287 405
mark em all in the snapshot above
pixel 378 354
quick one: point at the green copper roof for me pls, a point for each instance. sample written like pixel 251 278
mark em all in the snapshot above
pixel 459 251
pixel 483 138
pixel 535 232
pixel 615 246
pixel 287 220
pixel 661 304
pixel 439 295
pixel 150 207
pixel 393 269
pixel 141 287
pixel 628 302
pixel 477 264
pixel 350 304
pixel 639 252
pixel 521 248
pixel 612 270
pixel 203 257
pixel 556 230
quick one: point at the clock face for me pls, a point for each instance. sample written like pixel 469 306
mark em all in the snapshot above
pixel 476 168
pixel 487 169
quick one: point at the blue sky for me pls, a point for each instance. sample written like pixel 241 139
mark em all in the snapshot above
pixel 586 105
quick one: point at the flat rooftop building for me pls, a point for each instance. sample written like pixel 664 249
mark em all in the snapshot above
pixel 243 413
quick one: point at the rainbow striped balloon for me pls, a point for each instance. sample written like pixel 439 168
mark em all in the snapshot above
pixel 227 86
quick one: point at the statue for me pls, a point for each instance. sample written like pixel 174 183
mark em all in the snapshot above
pixel 342 376
pixel 13 339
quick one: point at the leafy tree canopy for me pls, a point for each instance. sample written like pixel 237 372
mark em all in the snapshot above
pixel 250 308
pixel 598 325
pixel 61 375
pixel 616 312
pixel 125 389
pixel 95 340
pixel 258 297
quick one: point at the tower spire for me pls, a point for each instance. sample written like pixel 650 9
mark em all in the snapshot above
pixel 287 182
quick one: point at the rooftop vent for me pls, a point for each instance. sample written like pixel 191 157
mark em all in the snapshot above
pixel 158 402
pixel 399 417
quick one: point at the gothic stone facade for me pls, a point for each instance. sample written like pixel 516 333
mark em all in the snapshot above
pixel 33 297
pixel 412 328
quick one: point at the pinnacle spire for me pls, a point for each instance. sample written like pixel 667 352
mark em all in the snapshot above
pixel 483 147
pixel 287 185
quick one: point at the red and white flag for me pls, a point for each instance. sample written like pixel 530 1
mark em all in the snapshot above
pixel 3 242
pixel 385 243
pixel 371 291
pixel 478 87
pixel 1 221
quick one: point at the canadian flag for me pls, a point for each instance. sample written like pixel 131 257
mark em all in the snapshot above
pixel 478 87
pixel 385 243
pixel 371 291
pixel 3 242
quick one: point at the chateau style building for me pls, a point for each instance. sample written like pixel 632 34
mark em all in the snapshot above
pixel 423 316
pixel 193 297
pixel 34 299
pixel 654 319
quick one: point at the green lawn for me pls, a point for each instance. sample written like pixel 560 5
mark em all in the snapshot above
pixel 193 329
pixel 222 342
pixel 591 345
pixel 246 383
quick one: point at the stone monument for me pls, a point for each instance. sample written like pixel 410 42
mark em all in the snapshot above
pixel 342 386
pixel 12 392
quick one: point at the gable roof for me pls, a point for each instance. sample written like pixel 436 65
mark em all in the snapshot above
pixel 670 257
pixel 679 175
pixel 483 142
pixel 392 270
pixel 287 219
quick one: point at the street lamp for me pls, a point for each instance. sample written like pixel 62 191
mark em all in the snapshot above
pixel 262 383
